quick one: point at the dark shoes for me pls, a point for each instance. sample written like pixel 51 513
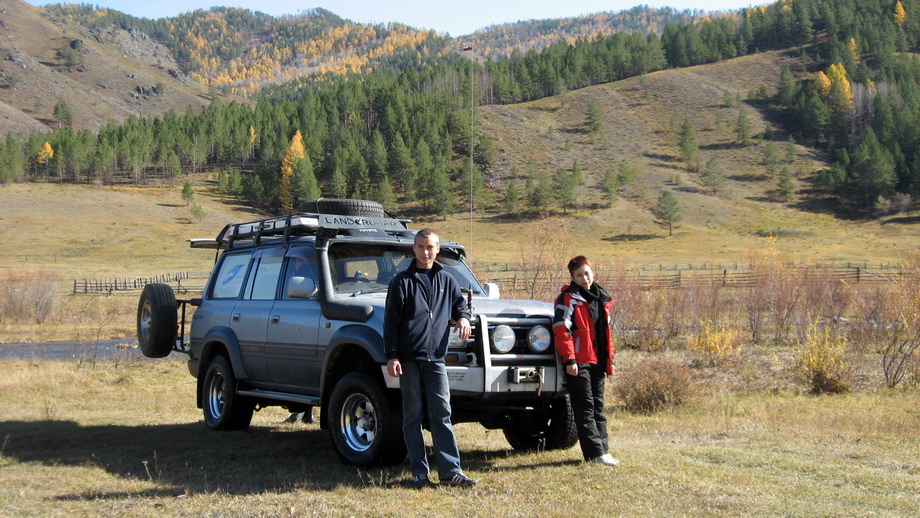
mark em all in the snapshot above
pixel 458 480
pixel 421 482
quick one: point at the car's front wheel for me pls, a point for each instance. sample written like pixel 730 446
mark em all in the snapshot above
pixel 365 428
pixel 224 409
pixel 549 428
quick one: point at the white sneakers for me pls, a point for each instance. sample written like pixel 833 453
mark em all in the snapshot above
pixel 605 459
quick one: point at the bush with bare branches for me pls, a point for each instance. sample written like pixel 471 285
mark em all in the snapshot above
pixel 27 296
pixel 652 385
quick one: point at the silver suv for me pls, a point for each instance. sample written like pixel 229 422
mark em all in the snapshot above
pixel 292 316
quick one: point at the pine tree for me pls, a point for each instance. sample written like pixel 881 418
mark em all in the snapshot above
pixel 564 188
pixel 338 183
pixel 688 144
pixel 304 186
pixel 743 127
pixel 512 198
pixel 785 187
pixel 771 158
pixel 593 118
pixel 610 184
pixel 385 195
pixel 188 193
pixel 713 176
pixel 667 212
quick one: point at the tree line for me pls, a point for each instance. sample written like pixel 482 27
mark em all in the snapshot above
pixel 406 135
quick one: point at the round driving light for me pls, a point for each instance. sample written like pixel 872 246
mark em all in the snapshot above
pixel 453 339
pixel 539 339
pixel 503 339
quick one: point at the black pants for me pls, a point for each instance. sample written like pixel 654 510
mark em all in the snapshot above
pixel 587 393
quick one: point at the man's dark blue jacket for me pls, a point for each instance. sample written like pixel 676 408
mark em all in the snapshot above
pixel 414 327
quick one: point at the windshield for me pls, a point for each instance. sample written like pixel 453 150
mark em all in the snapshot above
pixel 364 268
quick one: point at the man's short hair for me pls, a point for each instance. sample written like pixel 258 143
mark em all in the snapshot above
pixel 427 233
pixel 577 262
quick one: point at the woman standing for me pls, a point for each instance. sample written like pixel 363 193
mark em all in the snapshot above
pixel 581 327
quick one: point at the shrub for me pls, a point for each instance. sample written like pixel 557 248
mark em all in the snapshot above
pixel 820 361
pixel 27 296
pixel 653 385
pixel 719 343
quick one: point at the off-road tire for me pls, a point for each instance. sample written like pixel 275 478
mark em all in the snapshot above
pixel 550 428
pixel 345 207
pixel 365 427
pixel 223 408
pixel 157 322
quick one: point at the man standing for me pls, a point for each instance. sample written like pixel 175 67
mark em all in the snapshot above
pixel 421 302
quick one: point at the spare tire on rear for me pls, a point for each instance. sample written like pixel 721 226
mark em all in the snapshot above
pixel 345 207
pixel 157 321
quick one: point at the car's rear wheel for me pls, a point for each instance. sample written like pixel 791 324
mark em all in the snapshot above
pixel 223 408
pixel 549 428
pixel 365 428
pixel 157 322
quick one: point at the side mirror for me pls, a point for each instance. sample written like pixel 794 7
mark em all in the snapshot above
pixel 491 290
pixel 301 288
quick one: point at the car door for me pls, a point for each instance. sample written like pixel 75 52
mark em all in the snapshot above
pixel 291 350
pixel 249 319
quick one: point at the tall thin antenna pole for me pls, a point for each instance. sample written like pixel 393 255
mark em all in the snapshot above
pixel 471 154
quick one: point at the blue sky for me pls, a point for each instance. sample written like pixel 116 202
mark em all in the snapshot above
pixel 458 17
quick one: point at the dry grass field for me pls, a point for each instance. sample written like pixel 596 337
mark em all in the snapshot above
pixel 122 437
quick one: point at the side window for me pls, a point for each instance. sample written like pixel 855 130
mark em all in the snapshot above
pixel 301 263
pixel 263 282
pixel 230 277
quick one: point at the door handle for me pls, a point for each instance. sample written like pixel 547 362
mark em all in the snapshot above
pixel 235 317
pixel 276 319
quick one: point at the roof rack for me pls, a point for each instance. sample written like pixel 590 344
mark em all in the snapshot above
pixel 324 226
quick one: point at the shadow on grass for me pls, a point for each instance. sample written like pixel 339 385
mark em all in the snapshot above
pixel 902 220
pixel 189 458
pixel 630 237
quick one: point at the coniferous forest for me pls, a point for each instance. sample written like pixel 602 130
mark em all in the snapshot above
pixel 398 129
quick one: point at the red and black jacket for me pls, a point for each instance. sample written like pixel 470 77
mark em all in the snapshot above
pixel 574 331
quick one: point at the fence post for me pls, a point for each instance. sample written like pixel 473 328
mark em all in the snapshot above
pixel 857 274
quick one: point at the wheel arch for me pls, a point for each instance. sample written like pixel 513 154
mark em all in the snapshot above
pixel 352 349
pixel 219 341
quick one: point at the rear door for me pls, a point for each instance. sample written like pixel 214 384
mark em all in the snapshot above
pixel 249 319
pixel 292 345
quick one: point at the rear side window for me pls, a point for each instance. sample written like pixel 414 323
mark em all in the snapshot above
pixel 263 282
pixel 230 278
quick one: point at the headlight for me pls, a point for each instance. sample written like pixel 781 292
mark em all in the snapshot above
pixel 453 339
pixel 503 339
pixel 539 339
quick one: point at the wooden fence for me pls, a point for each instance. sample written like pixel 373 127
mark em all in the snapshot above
pixel 182 282
pixel 739 277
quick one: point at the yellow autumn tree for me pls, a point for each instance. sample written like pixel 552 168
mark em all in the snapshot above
pixel 823 83
pixel 45 154
pixel 900 16
pixel 294 153
pixel 838 74
pixel 252 140
pixel 853 50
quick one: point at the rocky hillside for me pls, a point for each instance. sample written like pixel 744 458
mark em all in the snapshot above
pixel 102 75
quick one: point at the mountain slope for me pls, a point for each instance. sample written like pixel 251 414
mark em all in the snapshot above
pixel 103 76
pixel 641 117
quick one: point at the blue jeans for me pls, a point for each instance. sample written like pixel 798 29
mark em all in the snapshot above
pixel 429 380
